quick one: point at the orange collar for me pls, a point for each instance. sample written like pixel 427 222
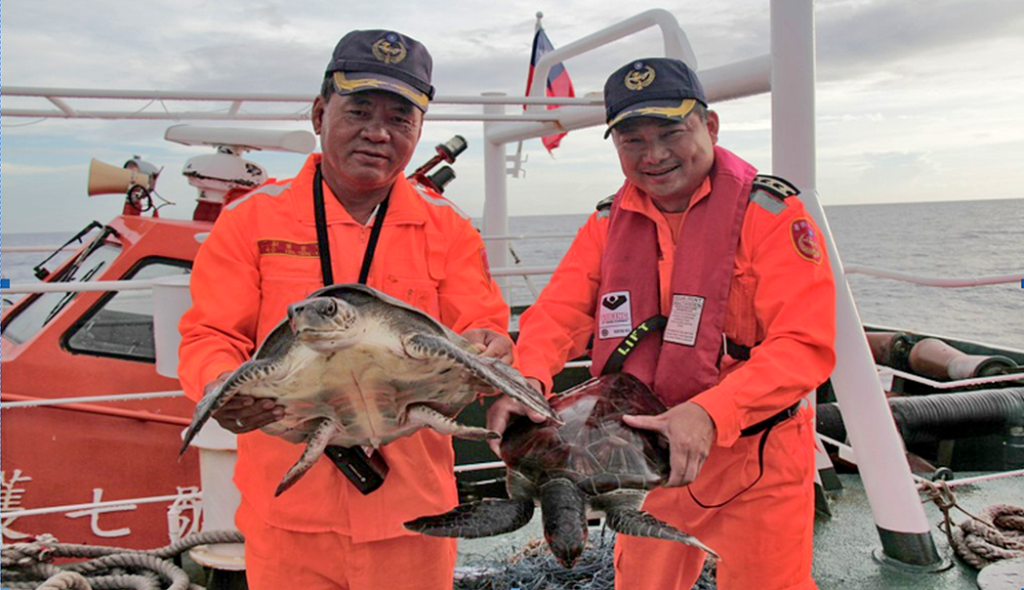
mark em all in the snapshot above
pixel 633 199
pixel 405 207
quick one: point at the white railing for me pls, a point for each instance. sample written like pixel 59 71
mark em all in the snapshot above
pixel 933 281
pixel 78 287
pixel 924 483
pixel 520 237
pixel 122 397
pixel 525 271
pixel 60 98
pixel 93 505
pixel 940 385
pixel 37 249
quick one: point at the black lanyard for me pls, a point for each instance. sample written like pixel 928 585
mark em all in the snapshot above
pixel 325 245
pixel 366 473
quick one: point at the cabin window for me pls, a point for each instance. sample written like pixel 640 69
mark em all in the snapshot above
pixel 122 324
pixel 37 313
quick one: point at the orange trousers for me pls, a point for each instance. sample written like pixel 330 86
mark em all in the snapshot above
pixel 764 536
pixel 278 559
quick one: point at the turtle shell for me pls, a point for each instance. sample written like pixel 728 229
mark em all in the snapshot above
pixel 593 448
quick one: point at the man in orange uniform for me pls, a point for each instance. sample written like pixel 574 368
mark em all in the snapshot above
pixel 709 283
pixel 263 255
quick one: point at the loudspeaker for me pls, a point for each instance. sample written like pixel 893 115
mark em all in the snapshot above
pixel 105 179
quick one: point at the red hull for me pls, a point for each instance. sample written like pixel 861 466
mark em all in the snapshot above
pixel 126 449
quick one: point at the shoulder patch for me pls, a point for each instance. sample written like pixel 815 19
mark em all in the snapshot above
pixel 775 186
pixel 770 193
pixel 604 206
pixel 770 203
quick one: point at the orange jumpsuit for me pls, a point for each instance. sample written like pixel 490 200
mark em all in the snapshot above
pixel 782 296
pixel 262 256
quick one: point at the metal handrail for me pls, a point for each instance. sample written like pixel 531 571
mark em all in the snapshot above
pixel 956 384
pixel 78 287
pixel 58 97
pixel 932 281
pixel 35 403
pixel 514 271
pixel 92 505
pixel 922 482
pixel 523 237
pixel 95 93
pixel 36 249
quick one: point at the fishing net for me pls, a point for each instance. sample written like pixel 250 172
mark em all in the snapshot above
pixel 533 567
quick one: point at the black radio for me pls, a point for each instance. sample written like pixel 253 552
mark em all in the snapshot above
pixel 366 473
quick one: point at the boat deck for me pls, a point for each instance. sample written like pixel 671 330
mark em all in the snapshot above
pixel 844 543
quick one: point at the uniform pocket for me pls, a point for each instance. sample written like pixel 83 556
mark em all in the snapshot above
pixel 278 293
pixel 420 293
pixel 437 256
pixel 740 317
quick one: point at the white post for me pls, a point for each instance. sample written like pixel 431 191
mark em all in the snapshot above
pixel 495 221
pixel 899 516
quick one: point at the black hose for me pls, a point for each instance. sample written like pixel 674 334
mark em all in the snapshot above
pixel 941 416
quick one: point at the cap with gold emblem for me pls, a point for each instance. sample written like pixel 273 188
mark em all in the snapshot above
pixel 382 60
pixel 652 87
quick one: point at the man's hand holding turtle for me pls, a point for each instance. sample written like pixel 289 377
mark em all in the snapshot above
pixel 689 430
pixel 491 344
pixel 502 410
pixel 243 413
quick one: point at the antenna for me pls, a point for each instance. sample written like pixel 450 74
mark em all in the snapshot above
pixel 217 175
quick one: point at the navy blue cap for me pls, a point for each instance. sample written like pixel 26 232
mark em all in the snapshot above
pixel 651 87
pixel 382 60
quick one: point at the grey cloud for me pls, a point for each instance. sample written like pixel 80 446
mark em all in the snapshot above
pixel 862 37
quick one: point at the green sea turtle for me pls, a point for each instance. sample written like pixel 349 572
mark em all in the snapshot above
pixel 592 461
pixel 355 367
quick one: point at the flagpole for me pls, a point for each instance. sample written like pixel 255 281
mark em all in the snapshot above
pixel 517 160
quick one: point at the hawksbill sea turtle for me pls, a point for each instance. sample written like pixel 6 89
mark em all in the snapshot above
pixel 592 460
pixel 355 367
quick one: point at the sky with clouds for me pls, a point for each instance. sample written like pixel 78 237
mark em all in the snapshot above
pixel 917 100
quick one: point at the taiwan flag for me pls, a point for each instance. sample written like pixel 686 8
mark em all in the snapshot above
pixel 559 84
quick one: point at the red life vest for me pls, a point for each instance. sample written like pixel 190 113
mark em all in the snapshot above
pixel 685 360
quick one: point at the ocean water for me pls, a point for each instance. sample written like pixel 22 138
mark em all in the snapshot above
pixel 950 239
pixel 958 239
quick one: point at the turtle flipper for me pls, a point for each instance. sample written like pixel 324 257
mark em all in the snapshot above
pixel 318 441
pixel 424 415
pixel 243 376
pixel 491 371
pixel 485 518
pixel 633 522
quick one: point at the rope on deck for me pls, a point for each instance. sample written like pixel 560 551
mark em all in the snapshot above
pixel 996 534
pixel 29 565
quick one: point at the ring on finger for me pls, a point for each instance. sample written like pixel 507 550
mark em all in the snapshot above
pixel 239 423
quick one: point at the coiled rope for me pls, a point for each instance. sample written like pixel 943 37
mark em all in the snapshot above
pixel 29 565
pixel 994 535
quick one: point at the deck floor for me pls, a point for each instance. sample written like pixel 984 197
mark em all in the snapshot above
pixel 843 544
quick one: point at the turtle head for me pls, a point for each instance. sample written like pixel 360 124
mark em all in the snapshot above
pixel 565 520
pixel 324 323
